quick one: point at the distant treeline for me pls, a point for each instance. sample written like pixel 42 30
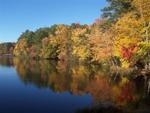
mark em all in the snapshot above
pixel 6 48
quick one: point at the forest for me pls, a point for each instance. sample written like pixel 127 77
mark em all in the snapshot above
pixel 6 48
pixel 121 37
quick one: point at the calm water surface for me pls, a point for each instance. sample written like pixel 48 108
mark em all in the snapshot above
pixel 29 86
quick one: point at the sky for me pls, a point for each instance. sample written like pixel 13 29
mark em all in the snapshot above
pixel 16 16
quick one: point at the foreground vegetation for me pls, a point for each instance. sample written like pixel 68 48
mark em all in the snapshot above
pixel 120 38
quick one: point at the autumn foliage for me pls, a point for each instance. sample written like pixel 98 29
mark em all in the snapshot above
pixel 123 32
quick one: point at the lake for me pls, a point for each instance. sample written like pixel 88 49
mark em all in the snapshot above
pixel 31 86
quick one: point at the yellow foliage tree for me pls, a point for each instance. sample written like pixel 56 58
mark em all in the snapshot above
pixel 127 37
pixel 80 43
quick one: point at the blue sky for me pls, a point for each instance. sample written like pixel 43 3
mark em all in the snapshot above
pixel 18 15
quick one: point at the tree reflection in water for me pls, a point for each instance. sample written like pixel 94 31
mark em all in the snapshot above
pixel 121 94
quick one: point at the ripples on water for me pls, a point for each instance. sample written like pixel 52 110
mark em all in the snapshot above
pixel 30 86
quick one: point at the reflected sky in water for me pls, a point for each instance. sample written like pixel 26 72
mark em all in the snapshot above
pixel 19 97
pixel 30 86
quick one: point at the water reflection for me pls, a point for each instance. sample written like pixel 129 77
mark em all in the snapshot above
pixel 6 62
pixel 108 90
